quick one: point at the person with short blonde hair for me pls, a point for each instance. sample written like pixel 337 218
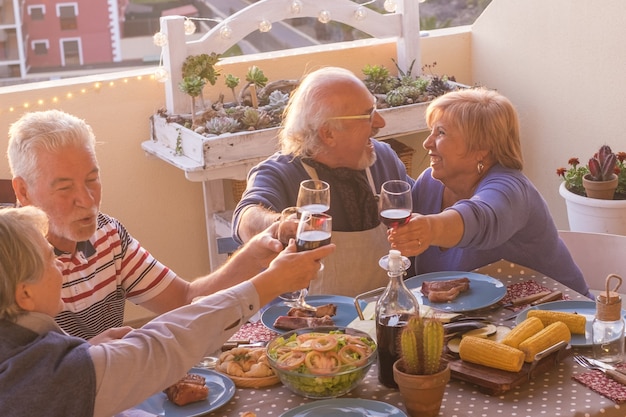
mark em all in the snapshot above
pixel 473 205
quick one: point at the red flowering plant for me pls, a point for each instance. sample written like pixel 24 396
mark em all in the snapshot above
pixel 600 166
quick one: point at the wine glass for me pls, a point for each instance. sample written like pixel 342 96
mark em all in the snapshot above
pixel 314 196
pixel 396 203
pixel 314 231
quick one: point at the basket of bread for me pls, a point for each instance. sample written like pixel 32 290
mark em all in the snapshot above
pixel 248 367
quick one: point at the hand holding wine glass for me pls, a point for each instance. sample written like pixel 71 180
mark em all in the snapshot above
pixel 288 225
pixel 396 203
pixel 314 196
pixel 289 219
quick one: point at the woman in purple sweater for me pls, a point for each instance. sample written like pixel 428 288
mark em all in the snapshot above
pixel 475 205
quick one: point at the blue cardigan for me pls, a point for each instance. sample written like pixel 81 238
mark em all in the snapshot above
pixel 506 218
pixel 49 375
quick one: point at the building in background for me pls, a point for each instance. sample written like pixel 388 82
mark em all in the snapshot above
pixel 42 40
pixel 42 37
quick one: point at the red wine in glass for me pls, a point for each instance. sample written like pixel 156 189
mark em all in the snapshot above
pixel 312 239
pixel 396 203
pixel 395 217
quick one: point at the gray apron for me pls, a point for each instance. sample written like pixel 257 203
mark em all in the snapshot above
pixel 353 268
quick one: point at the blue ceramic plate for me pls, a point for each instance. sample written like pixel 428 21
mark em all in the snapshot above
pixel 585 308
pixel 346 311
pixel 345 407
pixel 221 390
pixel 483 291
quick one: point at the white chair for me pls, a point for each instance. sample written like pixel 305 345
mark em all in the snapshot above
pixel 598 255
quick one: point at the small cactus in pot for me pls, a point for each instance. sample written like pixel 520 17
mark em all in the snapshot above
pixel 421 346
pixel 420 372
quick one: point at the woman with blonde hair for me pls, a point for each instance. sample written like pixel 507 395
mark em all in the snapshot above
pixel 473 205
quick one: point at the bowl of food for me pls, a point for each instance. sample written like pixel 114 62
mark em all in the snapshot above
pixel 322 362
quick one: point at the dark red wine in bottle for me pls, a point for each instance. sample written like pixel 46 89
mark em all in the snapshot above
pixel 388 335
pixel 312 239
pixel 394 217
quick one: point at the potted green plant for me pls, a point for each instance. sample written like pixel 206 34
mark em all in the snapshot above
pixel 586 211
pixel 421 373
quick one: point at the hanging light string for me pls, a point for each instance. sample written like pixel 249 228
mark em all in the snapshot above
pixel 324 16
pixel 73 93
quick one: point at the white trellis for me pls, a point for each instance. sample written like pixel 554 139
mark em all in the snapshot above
pixel 403 24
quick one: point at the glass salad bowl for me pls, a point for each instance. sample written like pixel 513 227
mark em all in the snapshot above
pixel 322 362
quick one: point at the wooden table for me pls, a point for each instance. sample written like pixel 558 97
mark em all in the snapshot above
pixel 550 394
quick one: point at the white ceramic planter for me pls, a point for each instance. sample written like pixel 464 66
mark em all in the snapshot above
pixel 594 215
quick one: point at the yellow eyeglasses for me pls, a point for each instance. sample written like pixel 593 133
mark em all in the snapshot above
pixel 370 116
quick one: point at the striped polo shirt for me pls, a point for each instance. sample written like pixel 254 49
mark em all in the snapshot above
pixel 104 271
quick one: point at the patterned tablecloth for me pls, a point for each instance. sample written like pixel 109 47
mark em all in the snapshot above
pixel 553 393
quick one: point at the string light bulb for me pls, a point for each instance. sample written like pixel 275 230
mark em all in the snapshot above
pixel 296 7
pixel 226 32
pixel 265 25
pixel 160 39
pixel 359 13
pixel 324 16
pixel 161 75
pixel 190 27
pixel 390 6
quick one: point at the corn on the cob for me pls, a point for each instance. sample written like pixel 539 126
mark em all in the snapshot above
pixel 492 354
pixel 575 322
pixel 549 336
pixel 530 326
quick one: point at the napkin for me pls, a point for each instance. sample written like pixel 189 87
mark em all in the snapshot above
pixel 523 289
pixel 603 385
pixel 254 332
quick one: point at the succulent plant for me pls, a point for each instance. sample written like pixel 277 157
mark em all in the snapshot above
pixel 378 79
pixel 277 101
pixel 254 119
pixel 602 164
pixel 421 345
pixel 232 82
pixel 219 125
pixel 192 85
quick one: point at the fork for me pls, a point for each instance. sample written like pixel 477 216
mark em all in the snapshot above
pixel 617 376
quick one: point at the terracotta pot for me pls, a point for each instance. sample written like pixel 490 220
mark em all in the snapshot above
pixel 604 190
pixel 422 394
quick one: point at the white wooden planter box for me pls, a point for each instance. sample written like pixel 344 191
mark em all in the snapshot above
pixel 232 155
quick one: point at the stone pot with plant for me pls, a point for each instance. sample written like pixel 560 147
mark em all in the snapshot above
pixel 588 211
pixel 421 373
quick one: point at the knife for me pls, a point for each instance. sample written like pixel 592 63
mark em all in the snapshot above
pixel 615 375
pixel 553 296
pixel 603 365
pixel 526 300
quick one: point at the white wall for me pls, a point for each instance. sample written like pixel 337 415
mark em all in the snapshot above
pixel 561 63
